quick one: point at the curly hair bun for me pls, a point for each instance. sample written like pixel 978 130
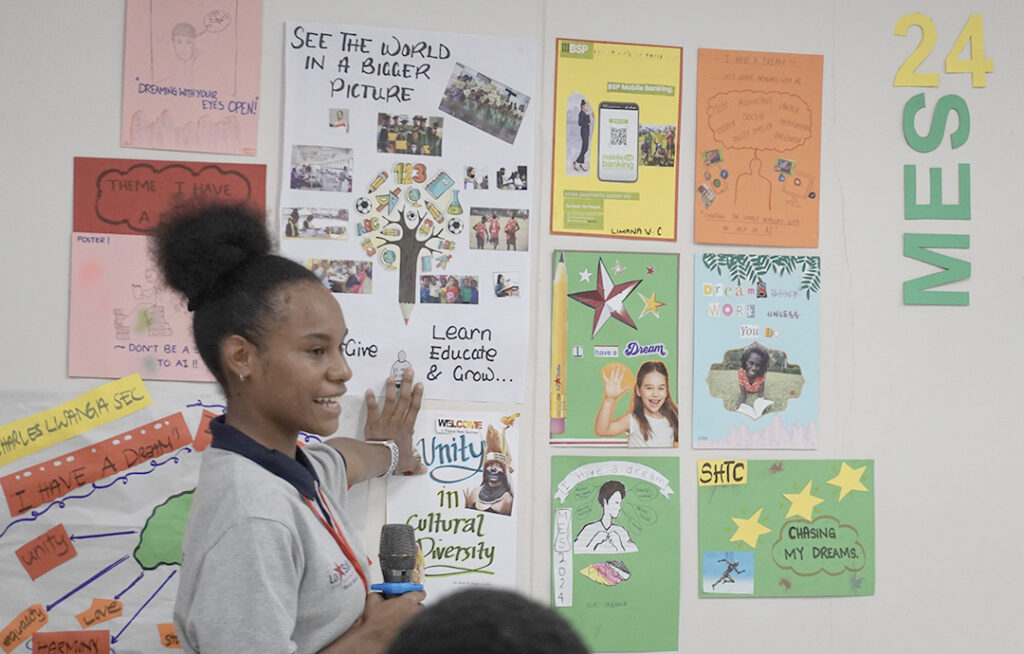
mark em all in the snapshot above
pixel 197 246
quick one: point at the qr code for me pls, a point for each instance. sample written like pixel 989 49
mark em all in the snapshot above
pixel 618 136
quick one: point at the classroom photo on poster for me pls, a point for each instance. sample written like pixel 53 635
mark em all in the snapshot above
pixel 614 165
pixel 615 550
pixel 794 528
pixel 758 150
pixel 406 193
pixel 614 332
pixel 755 351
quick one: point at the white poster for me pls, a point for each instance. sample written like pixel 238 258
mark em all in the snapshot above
pixel 464 510
pixel 407 189
pixel 96 495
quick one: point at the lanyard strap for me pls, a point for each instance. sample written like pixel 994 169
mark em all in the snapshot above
pixel 339 537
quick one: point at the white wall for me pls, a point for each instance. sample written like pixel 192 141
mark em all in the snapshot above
pixel 929 392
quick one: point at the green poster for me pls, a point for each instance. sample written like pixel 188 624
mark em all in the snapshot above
pixel 615 550
pixel 614 338
pixel 797 528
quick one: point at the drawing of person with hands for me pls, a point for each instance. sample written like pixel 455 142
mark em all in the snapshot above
pixel 604 535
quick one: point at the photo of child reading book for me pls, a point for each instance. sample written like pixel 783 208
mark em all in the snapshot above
pixel 753 369
pixel 754 380
pixel 652 419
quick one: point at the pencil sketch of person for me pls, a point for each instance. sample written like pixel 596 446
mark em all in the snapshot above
pixel 183 37
pixel 604 535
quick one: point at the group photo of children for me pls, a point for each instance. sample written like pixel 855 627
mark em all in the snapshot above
pixel 343 275
pixel 499 229
pixel 484 103
pixel 657 145
pixel 449 289
pixel 402 134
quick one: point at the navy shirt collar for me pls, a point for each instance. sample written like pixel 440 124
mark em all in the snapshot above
pixel 298 472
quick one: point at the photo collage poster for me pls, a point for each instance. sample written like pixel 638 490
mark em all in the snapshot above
pixel 615 163
pixel 794 528
pixel 758 152
pixel 755 351
pixel 464 509
pixel 122 317
pixel 615 550
pixel 192 75
pixel 407 189
pixel 614 335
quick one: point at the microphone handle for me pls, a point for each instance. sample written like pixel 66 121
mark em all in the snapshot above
pixel 394 589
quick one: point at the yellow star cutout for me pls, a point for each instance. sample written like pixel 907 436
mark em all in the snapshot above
pixel 749 530
pixel 651 305
pixel 848 480
pixel 802 503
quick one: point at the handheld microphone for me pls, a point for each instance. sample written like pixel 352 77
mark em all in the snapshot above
pixel 397 560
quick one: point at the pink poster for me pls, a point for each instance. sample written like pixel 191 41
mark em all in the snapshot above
pixel 122 320
pixel 192 75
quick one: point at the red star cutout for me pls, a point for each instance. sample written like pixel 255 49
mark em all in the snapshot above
pixel 650 270
pixel 607 299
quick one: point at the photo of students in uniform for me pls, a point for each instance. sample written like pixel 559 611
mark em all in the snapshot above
pixel 499 229
pixel 404 134
pixel 343 276
pixel 604 535
pixel 306 222
pixel 484 103
pixel 321 168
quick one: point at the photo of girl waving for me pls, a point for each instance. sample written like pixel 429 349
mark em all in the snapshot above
pixel 652 419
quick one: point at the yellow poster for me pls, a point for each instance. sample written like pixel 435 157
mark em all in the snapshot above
pixel 616 126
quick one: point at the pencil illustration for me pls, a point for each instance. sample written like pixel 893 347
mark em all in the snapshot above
pixel 559 344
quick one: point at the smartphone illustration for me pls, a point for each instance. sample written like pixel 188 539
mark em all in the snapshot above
pixel 617 142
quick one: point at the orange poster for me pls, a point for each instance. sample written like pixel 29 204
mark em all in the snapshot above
pixel 758 169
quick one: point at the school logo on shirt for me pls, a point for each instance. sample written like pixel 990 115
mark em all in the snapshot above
pixel 338 572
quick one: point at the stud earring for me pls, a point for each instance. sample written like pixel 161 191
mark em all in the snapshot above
pixel 241 377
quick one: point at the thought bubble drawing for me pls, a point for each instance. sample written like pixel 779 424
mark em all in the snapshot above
pixel 216 20
pixel 758 120
pixel 824 545
pixel 140 195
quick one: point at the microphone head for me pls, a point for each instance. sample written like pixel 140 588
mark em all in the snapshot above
pixel 397 552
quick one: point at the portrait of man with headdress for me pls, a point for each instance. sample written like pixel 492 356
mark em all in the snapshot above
pixel 494 493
